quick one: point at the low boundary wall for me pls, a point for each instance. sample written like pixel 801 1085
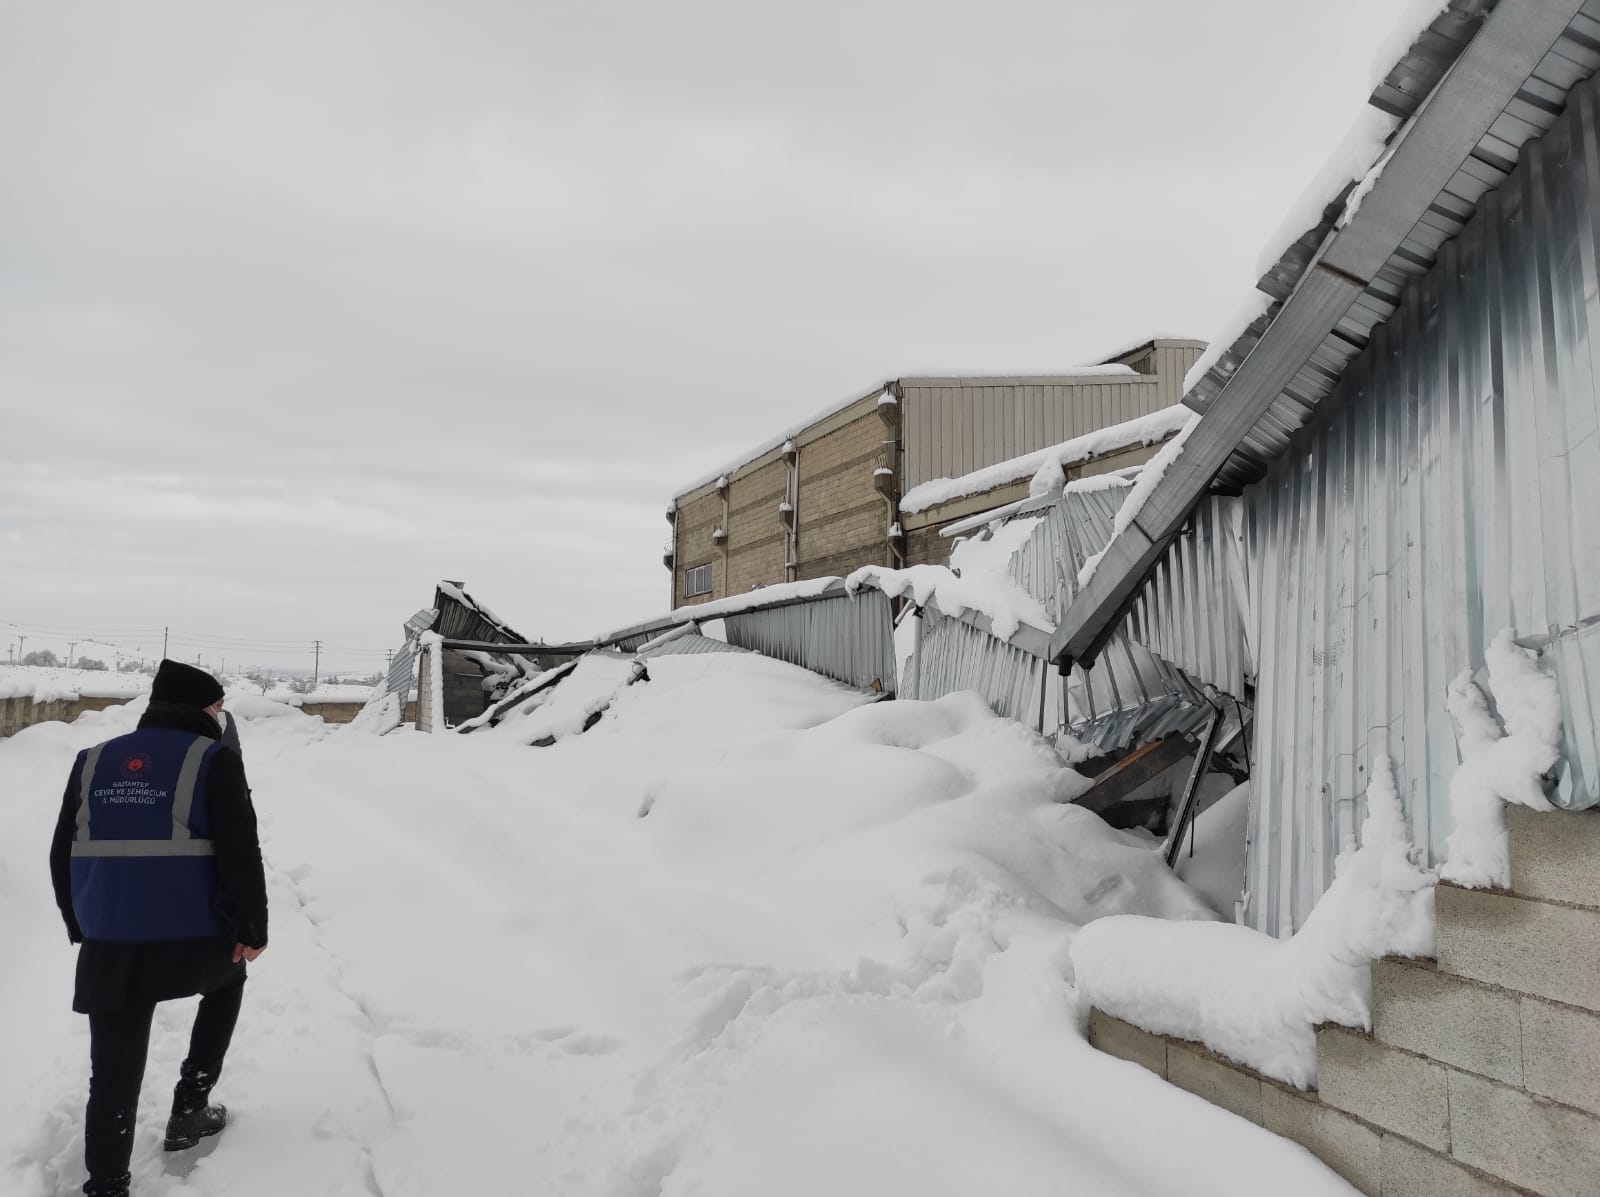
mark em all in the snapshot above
pixel 18 713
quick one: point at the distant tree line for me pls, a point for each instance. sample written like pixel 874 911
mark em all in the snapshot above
pixel 47 659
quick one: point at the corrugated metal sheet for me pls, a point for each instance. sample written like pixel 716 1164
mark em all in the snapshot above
pixel 1129 696
pixel 464 619
pixel 1453 490
pixel 958 656
pixel 1193 609
pixel 690 645
pixel 950 427
pixel 630 640
pixel 1073 528
pixel 1171 362
pixel 848 638
pixel 398 681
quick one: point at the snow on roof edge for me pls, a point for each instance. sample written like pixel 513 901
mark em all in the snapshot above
pixel 1143 430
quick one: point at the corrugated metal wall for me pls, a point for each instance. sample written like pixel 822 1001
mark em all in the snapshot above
pixel 848 638
pixel 1127 698
pixel 951 429
pixel 1454 490
pixel 957 656
pixel 1172 362
pixel 1072 530
pixel 1193 609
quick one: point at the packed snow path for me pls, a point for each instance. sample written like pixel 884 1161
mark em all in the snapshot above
pixel 744 936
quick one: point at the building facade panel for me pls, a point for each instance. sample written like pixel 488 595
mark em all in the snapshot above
pixel 936 428
pixel 955 426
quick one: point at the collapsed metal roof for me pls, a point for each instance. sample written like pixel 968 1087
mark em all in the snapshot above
pixel 1481 81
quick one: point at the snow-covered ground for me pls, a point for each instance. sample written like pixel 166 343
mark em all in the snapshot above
pixel 45 684
pixel 747 935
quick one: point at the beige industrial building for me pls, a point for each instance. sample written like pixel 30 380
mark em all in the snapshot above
pixel 825 497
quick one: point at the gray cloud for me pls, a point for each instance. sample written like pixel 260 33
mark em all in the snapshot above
pixel 304 306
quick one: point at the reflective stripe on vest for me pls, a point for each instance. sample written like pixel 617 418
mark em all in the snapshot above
pixel 183 841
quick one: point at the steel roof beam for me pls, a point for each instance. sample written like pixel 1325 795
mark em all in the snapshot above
pixel 1425 157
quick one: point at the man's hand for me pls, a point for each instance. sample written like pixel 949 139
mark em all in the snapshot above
pixel 240 952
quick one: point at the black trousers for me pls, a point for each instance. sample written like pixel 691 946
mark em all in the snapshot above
pixel 118 1045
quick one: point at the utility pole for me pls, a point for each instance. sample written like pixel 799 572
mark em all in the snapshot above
pixel 164 643
pixel 71 647
pixel 22 643
pixel 316 667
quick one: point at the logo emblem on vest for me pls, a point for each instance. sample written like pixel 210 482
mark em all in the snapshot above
pixel 137 767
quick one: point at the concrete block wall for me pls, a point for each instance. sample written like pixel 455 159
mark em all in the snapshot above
pixel 1481 1074
pixel 18 713
pixel 693 546
pixel 842 520
pixel 925 546
pixel 755 549
pixel 345 712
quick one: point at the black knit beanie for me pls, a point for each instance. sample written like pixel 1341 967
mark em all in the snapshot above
pixel 177 682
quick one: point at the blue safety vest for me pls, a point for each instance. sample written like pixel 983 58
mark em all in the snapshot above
pixel 143 864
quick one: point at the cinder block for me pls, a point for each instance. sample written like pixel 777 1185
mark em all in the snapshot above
pixel 1234 1090
pixel 1561 1053
pixel 1555 854
pixel 1447 1018
pixel 1530 946
pixel 1412 1171
pixel 1397 1091
pixel 1128 1042
pixel 1335 1138
pixel 1552 1149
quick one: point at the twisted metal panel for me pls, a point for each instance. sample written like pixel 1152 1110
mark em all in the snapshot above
pixel 1128 697
pixel 1073 529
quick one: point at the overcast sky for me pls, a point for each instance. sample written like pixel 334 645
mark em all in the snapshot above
pixel 305 306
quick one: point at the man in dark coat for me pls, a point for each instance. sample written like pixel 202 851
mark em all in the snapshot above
pixel 157 871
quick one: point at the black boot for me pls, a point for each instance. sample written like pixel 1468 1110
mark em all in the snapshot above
pixel 186 1130
pixel 116 1186
pixel 192 1119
